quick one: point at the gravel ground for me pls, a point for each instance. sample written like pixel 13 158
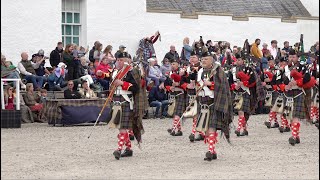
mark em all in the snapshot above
pixel 39 151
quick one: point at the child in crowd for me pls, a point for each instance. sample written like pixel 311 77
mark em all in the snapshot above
pixel 43 96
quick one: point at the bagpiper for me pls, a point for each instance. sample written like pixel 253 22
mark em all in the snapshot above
pixel 314 70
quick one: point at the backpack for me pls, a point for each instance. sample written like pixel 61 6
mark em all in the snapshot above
pixel 91 53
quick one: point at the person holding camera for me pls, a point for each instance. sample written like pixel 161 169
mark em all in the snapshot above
pixel 146 44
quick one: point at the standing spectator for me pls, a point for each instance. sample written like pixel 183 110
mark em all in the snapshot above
pixel 265 49
pixel 274 49
pixel 166 67
pixel 155 73
pixel 103 73
pixel 186 50
pixel 32 100
pixel 108 52
pixel 91 52
pixel 97 53
pixel 9 98
pixel 122 48
pixel 70 93
pixel 159 99
pixel 255 51
pixel 218 55
pixel 228 55
pixel 286 47
pixel 56 55
pixel 210 46
pixel 86 92
pixel 235 50
pixel 264 60
pixel 9 71
pixel 27 71
pixel 71 65
pixel 147 45
pixel 172 54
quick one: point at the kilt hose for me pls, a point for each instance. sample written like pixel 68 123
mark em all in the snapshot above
pixel 127 113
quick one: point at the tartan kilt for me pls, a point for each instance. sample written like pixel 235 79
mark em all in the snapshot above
pixel 274 97
pixel 246 103
pixel 299 109
pixel 127 113
pixel 215 117
pixel 307 102
pixel 180 103
pixel 314 91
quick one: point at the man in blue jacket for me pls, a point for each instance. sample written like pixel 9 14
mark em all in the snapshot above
pixel 159 99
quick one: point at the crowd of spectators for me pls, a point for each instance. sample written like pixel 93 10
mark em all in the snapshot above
pixel 80 73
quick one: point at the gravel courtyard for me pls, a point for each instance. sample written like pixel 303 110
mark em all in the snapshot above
pixel 39 151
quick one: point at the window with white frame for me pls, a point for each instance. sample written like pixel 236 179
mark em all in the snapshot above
pixel 71 21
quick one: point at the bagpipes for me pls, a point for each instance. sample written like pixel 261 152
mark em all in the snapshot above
pixel 119 76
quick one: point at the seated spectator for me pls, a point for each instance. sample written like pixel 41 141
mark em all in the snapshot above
pixel 57 77
pixel 41 70
pixel 159 99
pixel 172 54
pixel 227 55
pixel 108 52
pixel 10 72
pixel 27 71
pixel 26 113
pixel 56 55
pixel 86 92
pixel 84 71
pixel 32 100
pixel 9 98
pixel 166 67
pixel 103 73
pixel 70 93
pixel 43 96
pixel 155 73
pixel 96 54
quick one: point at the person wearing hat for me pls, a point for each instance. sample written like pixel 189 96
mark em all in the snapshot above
pixel 267 82
pixel 215 103
pixel 122 48
pixel 298 96
pixel 57 77
pixel 210 46
pixel 243 79
pixel 176 96
pixel 123 109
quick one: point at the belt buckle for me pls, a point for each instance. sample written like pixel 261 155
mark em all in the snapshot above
pixel 116 103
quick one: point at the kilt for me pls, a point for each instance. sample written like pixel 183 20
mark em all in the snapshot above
pixel 307 102
pixel 180 103
pixel 299 109
pixel 246 103
pixel 127 113
pixel 216 118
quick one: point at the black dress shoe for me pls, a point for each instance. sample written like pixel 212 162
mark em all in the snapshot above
pixel 199 138
pixel 281 129
pixel 287 129
pixel 275 125
pixel 131 137
pixel 237 132
pixel 117 154
pixel 179 133
pixel 268 124
pixel 210 156
pixel 292 141
pixel 169 130
pixel 244 133
pixel 191 137
pixel 127 153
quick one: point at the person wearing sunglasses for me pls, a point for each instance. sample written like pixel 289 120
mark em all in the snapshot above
pixel 70 93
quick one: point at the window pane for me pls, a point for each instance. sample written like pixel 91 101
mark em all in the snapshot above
pixel 76 18
pixel 68 40
pixel 76 30
pixel 76 5
pixel 68 29
pixel 76 40
pixel 63 17
pixel 68 5
pixel 69 17
pixel 62 29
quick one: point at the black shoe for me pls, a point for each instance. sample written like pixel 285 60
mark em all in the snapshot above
pixel 191 137
pixel 287 129
pixel 179 133
pixel 199 138
pixel 210 156
pixel 237 133
pixel 281 129
pixel 131 137
pixel 317 125
pixel 169 130
pixel 145 117
pixel 268 124
pixel 292 141
pixel 127 153
pixel 275 125
pixel 117 154
pixel 298 140
pixel 244 133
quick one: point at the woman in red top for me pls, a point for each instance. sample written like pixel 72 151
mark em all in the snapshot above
pixel 103 73
pixel 9 98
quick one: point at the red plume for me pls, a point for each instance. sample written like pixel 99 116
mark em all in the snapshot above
pixel 176 77
pixel 296 75
pixel 269 74
pixel 242 76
